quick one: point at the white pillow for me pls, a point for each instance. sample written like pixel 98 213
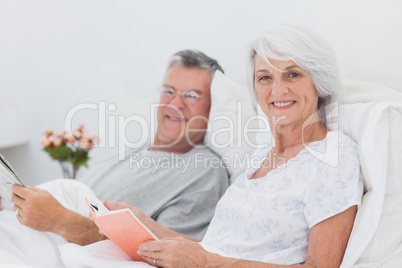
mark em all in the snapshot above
pixel 376 235
pixel 364 91
pixel 377 128
pixel 232 115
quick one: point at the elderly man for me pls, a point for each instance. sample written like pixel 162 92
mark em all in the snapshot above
pixel 181 194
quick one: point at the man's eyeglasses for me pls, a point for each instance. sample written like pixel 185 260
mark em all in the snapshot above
pixel 189 96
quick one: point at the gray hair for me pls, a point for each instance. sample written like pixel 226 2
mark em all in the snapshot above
pixel 194 59
pixel 308 50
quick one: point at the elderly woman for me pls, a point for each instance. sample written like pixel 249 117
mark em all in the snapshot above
pixel 299 205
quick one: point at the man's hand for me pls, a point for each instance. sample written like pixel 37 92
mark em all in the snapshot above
pixel 37 208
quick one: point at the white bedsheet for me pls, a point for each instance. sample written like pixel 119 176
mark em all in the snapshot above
pixel 102 254
pixel 24 246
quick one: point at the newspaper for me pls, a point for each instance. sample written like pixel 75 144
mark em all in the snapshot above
pixel 8 177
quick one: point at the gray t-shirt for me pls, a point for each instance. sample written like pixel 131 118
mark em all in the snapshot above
pixel 178 191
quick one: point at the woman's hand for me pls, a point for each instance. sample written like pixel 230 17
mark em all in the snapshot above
pixel 173 252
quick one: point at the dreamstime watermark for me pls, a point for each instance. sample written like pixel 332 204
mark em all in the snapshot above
pixel 226 132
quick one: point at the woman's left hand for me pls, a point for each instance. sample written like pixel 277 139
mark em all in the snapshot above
pixel 173 252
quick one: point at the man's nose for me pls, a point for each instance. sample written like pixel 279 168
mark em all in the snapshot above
pixel 178 101
pixel 279 88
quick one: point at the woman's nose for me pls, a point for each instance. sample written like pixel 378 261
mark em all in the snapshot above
pixel 279 88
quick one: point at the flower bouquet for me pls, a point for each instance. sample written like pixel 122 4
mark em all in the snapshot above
pixel 69 149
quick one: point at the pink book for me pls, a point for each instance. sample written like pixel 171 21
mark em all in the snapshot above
pixel 122 227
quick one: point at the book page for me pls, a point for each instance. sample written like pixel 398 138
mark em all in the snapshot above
pixel 97 206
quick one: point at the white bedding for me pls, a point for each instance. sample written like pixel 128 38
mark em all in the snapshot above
pixel 23 246
pixel 102 254
pixel 376 236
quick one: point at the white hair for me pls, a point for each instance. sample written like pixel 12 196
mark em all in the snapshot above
pixel 308 50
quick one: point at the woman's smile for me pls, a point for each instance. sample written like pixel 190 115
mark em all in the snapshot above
pixel 283 104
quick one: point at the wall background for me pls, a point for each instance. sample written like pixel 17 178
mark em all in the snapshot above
pixel 57 54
